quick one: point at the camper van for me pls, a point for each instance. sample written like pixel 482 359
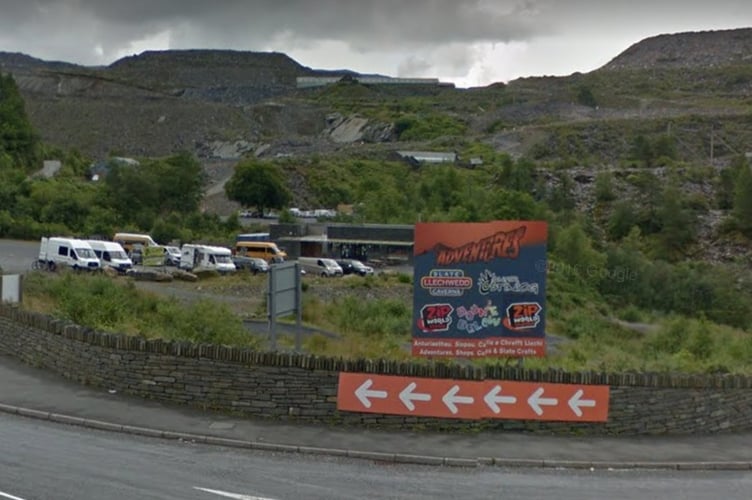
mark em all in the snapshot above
pixel 58 252
pixel 111 254
pixel 129 240
pixel 266 250
pixel 320 266
pixel 206 257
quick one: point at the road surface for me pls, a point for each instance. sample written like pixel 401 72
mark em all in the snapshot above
pixel 43 460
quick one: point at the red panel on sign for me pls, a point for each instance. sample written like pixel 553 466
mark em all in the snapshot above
pixel 463 399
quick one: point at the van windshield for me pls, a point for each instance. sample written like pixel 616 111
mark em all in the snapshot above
pixel 222 259
pixel 117 254
pixel 85 253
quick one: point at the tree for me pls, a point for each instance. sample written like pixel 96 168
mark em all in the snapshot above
pixel 560 198
pixel 664 148
pixel 742 211
pixel 604 187
pixel 586 98
pixel 179 180
pixel 641 150
pixel 17 137
pixel 623 218
pixel 677 222
pixel 727 182
pixel 258 184
pixel 573 247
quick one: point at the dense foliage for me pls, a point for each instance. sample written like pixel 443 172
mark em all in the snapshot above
pixel 18 140
pixel 258 184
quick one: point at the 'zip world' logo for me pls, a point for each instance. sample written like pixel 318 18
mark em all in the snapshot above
pixel 522 316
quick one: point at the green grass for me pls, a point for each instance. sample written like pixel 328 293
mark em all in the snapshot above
pixel 380 327
pixel 99 302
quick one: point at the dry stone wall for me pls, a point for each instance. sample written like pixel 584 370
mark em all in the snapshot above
pixel 304 388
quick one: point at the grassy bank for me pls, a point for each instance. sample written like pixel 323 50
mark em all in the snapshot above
pixel 372 319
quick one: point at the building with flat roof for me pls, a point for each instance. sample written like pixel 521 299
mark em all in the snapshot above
pixel 378 244
pixel 419 157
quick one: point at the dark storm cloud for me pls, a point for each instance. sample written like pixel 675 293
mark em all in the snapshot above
pixel 413 20
pixel 365 26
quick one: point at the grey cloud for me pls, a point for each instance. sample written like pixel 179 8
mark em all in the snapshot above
pixel 413 66
pixel 367 25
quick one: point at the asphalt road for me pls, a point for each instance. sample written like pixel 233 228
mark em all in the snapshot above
pixel 17 256
pixel 42 460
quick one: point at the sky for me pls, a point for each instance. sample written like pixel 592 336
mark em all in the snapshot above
pixel 466 42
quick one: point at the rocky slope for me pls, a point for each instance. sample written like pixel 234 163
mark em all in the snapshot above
pixel 222 105
pixel 703 49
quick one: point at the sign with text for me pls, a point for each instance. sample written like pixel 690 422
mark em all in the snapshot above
pixel 468 399
pixel 480 289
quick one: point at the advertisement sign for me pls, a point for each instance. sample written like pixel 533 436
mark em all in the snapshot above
pixel 480 289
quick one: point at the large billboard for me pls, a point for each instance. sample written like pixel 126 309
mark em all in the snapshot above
pixel 480 289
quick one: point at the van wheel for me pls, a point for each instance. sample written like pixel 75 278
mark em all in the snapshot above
pixel 323 275
pixel 51 266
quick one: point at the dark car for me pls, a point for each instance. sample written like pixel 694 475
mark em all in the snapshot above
pixel 353 266
pixel 253 264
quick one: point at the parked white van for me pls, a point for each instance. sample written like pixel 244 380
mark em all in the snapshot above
pixel 111 254
pixel 76 254
pixel 320 266
pixel 206 257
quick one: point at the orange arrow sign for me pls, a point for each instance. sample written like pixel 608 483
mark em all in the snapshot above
pixel 467 399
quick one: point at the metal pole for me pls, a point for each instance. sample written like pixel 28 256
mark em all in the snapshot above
pixel 298 308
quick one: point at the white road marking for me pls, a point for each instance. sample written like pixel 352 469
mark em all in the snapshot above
pixel 225 494
pixel 9 497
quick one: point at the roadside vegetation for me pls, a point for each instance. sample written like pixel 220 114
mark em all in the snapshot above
pixel 628 256
pixel 582 327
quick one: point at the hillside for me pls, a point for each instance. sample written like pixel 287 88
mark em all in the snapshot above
pixel 220 105
pixel 156 103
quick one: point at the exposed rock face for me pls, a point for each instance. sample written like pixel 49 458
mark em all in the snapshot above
pixel 357 128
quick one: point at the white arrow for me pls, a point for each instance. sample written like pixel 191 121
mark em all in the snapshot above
pixel 450 399
pixel 227 494
pixel 536 401
pixel 362 393
pixel 492 398
pixel 408 396
pixel 575 402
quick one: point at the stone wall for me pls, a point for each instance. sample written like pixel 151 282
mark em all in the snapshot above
pixel 304 388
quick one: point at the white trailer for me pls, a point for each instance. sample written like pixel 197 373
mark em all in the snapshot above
pixel 73 253
pixel 111 254
pixel 206 257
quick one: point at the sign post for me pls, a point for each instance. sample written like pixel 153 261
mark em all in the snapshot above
pixel 11 285
pixel 284 297
pixel 480 289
